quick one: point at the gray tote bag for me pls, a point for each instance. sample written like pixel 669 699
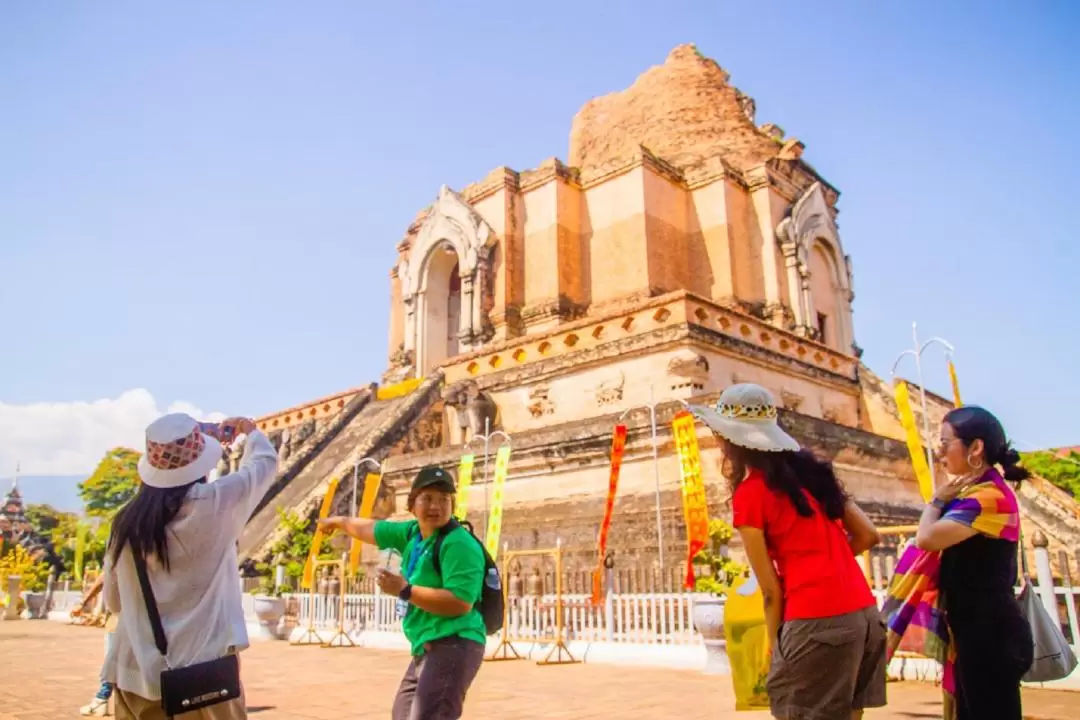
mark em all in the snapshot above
pixel 1054 659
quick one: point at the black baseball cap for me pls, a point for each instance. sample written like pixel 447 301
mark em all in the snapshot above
pixel 433 477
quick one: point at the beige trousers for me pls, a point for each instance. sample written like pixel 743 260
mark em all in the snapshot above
pixel 133 707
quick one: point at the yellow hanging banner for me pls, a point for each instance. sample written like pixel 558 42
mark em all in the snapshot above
pixel 316 542
pixel 464 482
pixel 914 442
pixel 494 529
pixel 367 505
pixel 695 505
pixel 955 385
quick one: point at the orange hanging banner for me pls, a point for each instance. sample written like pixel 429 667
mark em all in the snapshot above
pixel 618 445
pixel 695 505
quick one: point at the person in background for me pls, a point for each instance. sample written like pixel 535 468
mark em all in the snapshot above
pixel 973 521
pixel 99 706
pixel 801 533
pixel 186 530
pixel 441 622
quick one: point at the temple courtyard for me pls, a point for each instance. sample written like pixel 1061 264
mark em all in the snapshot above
pixel 48 670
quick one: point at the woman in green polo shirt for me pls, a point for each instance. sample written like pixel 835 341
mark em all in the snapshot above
pixel 436 600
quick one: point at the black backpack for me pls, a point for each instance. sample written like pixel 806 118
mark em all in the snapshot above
pixel 491 603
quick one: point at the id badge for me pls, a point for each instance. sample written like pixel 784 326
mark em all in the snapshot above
pixel 402 608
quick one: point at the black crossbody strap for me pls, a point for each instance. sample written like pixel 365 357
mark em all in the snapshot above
pixel 151 604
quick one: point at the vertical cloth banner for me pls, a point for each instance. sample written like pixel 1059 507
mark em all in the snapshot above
pixel 914 442
pixel 464 483
pixel 695 505
pixel 367 505
pixel 955 384
pixel 80 549
pixel 316 542
pixel 494 529
pixel 618 446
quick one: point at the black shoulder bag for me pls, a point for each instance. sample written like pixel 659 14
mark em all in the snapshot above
pixel 196 686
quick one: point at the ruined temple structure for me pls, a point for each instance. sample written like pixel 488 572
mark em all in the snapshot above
pixel 682 248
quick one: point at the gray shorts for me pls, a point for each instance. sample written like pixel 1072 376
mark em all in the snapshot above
pixel 823 669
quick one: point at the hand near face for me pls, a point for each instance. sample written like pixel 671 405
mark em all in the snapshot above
pixel 389 582
pixel 234 427
pixel 948 490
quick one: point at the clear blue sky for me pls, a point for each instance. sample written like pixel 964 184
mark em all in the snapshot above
pixel 203 198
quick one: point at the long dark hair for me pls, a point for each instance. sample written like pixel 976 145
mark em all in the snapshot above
pixel 971 423
pixel 791 473
pixel 144 521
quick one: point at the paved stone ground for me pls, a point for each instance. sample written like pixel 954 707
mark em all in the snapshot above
pixel 48 670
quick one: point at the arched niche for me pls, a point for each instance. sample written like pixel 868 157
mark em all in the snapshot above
pixel 828 296
pixel 440 314
pixel 452 235
pixel 818 270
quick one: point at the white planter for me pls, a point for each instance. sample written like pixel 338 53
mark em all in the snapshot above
pixel 35 605
pixel 709 622
pixel 270 611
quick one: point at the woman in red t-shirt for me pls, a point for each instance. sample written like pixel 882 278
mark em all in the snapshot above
pixel 801 533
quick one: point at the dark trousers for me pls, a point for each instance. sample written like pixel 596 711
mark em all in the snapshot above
pixel 435 684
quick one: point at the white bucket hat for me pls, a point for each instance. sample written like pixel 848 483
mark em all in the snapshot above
pixel 177 452
pixel 745 415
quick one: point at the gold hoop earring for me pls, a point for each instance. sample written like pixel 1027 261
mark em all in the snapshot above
pixel 972 465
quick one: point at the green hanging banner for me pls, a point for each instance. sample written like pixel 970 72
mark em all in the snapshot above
pixel 80 550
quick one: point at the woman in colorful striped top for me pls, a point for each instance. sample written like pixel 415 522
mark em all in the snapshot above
pixel 969 531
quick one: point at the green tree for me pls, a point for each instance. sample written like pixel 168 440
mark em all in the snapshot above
pixel 295 544
pixel 15 560
pixel 114 482
pixel 1061 471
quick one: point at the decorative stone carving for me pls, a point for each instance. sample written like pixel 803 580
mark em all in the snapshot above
pixel 688 370
pixel 516 585
pixel 810 220
pixel 476 411
pixel 746 104
pixel 610 391
pixel 831 414
pixel 791 400
pixel 535 584
pixel 286 446
pixel 401 366
pixel 539 402
pixel 303 432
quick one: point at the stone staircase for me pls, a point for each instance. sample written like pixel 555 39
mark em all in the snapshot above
pixel 367 427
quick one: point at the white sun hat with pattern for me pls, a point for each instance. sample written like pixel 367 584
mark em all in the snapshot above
pixel 177 452
pixel 745 415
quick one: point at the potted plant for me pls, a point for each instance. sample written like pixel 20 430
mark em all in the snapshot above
pixel 269 606
pixel 715 572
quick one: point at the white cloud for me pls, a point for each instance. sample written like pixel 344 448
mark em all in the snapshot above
pixel 69 438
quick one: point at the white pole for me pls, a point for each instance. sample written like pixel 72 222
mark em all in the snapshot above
pixel 922 398
pixel 656 479
pixel 355 474
pixel 487 508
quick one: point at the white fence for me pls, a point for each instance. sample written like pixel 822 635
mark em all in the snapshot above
pixel 643 618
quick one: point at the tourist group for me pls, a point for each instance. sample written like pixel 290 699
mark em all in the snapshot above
pixel 178 625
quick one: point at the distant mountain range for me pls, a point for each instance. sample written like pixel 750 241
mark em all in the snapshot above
pixel 60 491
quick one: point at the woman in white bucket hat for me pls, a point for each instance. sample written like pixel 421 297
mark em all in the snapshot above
pixel 186 530
pixel 801 533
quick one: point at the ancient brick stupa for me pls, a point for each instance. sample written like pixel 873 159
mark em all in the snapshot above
pixel 683 247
